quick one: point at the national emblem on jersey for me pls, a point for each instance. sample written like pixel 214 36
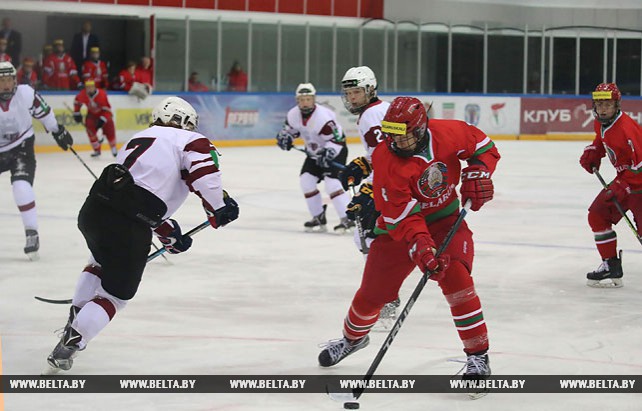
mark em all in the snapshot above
pixel 434 180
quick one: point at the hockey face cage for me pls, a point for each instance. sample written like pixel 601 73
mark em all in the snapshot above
pixel 8 70
pixel 402 143
pixel 370 95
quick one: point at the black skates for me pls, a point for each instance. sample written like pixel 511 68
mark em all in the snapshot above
pixel 608 274
pixel 345 225
pixel 62 356
pixel 318 223
pixel 477 368
pixel 32 245
pixel 336 350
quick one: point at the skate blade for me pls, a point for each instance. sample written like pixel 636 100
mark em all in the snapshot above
pixel 477 395
pixel 49 370
pixel 383 325
pixel 607 283
pixel 318 229
pixel 33 256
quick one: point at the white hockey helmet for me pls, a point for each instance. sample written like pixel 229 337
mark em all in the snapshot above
pixel 306 89
pixel 8 70
pixel 175 112
pixel 359 77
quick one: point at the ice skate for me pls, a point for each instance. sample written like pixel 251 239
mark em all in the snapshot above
pixel 114 151
pixel 387 316
pixel 477 368
pixel 336 350
pixel 32 245
pixel 95 154
pixel 345 225
pixel 63 354
pixel 318 223
pixel 608 274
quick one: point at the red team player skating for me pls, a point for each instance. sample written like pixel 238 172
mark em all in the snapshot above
pixel 620 137
pixel 416 172
pixel 326 152
pixel 153 174
pixel 99 116
pixel 19 105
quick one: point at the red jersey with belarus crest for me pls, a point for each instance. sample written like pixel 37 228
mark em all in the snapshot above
pixel 412 191
pixel 621 141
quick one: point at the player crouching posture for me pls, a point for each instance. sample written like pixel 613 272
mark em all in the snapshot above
pixel 326 151
pixel 153 174
pixel 619 136
pixel 417 171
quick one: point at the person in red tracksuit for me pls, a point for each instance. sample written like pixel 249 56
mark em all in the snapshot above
pixel 98 116
pixel 95 69
pixel 620 137
pixel 59 70
pixel 416 172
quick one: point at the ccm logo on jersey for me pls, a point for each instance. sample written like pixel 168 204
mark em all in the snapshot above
pixel 473 175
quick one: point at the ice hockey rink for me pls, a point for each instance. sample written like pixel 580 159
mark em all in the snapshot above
pixel 258 296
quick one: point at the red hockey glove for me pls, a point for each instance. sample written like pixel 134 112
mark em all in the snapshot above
pixel 421 253
pixel 591 158
pixel 476 185
pixel 170 235
pixel 618 190
pixel 224 215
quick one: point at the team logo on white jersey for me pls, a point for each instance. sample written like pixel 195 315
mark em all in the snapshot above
pixel 434 180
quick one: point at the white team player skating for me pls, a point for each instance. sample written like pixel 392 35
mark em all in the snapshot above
pixel 153 174
pixel 20 104
pixel 326 152
pixel 359 86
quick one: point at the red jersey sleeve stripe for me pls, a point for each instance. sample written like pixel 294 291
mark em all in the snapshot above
pixel 201 145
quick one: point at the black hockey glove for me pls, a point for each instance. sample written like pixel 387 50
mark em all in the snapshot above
pixel 362 207
pixel 285 140
pixel 355 171
pixel 170 235
pixel 100 123
pixel 63 138
pixel 325 157
pixel 78 118
pixel 224 215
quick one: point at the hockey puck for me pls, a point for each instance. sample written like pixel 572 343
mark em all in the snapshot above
pixel 351 406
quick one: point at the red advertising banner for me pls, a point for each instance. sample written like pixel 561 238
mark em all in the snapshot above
pixel 565 115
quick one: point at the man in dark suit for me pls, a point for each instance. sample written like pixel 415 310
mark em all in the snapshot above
pixel 81 44
pixel 14 40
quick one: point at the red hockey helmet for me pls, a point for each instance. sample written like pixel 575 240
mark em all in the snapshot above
pixel 404 126
pixel 606 92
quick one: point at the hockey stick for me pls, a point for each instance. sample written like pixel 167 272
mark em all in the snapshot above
pixel 331 162
pixel 357 392
pixel 362 238
pixel 150 257
pixel 618 206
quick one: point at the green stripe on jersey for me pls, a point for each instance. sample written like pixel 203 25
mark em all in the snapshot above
pixel 214 157
pixel 483 149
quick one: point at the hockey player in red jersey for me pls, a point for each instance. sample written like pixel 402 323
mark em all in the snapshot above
pixel 98 116
pixel 151 178
pixel 416 172
pixel 59 70
pixel 620 137
pixel 95 69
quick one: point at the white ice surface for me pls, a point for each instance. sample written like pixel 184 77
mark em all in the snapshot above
pixel 257 297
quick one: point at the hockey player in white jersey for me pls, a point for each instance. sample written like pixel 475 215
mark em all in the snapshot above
pixel 326 154
pixel 359 86
pixel 153 174
pixel 21 103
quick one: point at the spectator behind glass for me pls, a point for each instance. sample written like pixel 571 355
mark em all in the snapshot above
pixel 14 39
pixel 82 43
pixel 126 77
pixel 145 72
pixel 236 78
pixel 27 73
pixel 4 56
pixel 47 49
pixel 194 83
